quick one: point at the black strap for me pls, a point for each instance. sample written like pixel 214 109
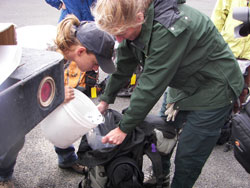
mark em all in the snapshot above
pixel 155 158
pixel 80 184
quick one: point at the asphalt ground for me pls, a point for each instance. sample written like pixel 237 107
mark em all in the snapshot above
pixel 36 165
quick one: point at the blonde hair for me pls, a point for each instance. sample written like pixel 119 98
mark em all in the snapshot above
pixel 115 16
pixel 65 37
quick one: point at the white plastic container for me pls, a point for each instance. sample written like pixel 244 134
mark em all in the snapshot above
pixel 70 121
pixel 94 139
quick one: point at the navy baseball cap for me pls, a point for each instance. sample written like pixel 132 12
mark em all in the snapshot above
pixel 98 42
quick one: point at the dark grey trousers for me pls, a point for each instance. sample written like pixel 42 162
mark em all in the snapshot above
pixel 196 142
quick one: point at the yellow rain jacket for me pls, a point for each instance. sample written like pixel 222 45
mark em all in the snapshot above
pixel 223 20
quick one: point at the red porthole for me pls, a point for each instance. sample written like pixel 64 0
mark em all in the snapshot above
pixel 46 91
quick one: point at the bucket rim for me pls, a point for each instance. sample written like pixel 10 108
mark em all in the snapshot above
pixel 86 102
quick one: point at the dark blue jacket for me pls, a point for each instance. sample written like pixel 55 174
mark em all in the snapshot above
pixel 80 8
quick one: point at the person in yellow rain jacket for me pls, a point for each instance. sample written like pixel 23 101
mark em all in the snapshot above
pixel 222 16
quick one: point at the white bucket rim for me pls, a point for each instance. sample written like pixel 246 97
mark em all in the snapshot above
pixel 78 116
pixel 78 119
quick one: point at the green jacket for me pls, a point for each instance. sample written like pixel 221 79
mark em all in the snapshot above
pixel 185 53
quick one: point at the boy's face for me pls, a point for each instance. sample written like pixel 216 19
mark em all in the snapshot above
pixel 85 61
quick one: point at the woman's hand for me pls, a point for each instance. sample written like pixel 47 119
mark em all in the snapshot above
pixel 102 107
pixel 69 94
pixel 116 136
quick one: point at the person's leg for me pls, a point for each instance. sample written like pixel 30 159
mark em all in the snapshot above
pixel 166 163
pixel 148 174
pixel 68 159
pixel 196 142
pixel 7 163
pixel 178 123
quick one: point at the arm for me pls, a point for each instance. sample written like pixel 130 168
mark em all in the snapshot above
pixel 125 68
pixel 159 69
pixel 124 71
pixel 102 107
pixel 55 3
pixel 220 13
pixel 160 66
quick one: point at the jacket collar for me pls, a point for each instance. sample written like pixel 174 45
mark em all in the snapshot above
pixel 142 41
pixel 154 12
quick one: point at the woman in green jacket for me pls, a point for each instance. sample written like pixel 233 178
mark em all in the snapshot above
pixel 179 48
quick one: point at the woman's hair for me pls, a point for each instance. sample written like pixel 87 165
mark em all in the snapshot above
pixel 115 16
pixel 66 33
